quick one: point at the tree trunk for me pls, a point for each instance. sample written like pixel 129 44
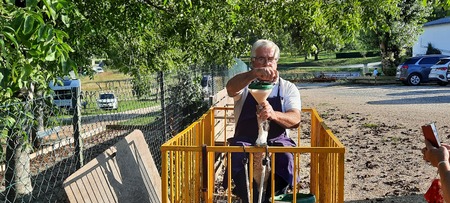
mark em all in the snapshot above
pixel 387 58
pixel 17 177
pixel 17 174
pixel 316 53
pixel 38 110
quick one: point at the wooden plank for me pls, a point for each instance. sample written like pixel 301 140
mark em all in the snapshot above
pixel 125 172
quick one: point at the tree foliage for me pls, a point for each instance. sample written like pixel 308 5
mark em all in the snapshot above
pixel 440 9
pixel 317 26
pixel 143 36
pixel 395 24
pixel 33 49
pixel 162 36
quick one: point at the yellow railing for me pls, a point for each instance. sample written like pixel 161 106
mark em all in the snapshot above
pixel 189 158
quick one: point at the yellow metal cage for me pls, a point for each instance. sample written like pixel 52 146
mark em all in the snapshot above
pixel 189 160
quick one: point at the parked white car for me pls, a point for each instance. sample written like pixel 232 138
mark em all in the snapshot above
pixel 440 71
pixel 108 101
pixel 98 69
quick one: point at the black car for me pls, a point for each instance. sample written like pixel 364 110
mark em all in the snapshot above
pixel 415 70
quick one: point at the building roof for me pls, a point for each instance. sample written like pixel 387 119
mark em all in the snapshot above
pixel 445 20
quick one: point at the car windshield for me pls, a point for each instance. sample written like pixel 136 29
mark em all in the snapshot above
pixel 429 60
pixel 443 61
pixel 107 96
pixel 411 61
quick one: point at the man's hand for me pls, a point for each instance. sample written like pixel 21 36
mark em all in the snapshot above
pixel 266 112
pixel 266 74
pixel 241 80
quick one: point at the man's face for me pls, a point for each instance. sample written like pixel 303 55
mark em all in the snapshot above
pixel 265 57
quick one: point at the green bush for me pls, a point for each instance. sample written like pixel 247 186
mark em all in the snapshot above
pixel 390 71
pixel 357 54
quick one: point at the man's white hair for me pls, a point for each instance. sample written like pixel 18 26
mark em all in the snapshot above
pixel 267 44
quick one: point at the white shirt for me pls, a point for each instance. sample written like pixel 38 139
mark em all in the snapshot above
pixel 290 97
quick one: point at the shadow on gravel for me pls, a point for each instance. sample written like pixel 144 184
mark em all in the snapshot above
pixel 421 92
pixel 421 100
pixel 404 199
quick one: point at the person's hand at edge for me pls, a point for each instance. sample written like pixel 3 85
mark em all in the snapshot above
pixel 435 155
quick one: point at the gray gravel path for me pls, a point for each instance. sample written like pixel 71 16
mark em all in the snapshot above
pixel 380 127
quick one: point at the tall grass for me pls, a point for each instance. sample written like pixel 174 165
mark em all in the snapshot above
pixel 91 84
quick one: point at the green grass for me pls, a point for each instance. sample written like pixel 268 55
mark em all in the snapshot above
pixel 299 61
pixel 292 64
pixel 370 125
pixel 286 65
pixel 92 109
pixel 90 84
pixel 325 59
pixel 102 82
pixel 64 118
pixel 318 69
pixel 142 120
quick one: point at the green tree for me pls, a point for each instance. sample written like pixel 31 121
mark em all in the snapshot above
pixel 159 36
pixel 440 9
pixel 317 26
pixel 396 25
pixel 33 51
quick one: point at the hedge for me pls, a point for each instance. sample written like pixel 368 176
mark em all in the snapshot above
pixel 357 54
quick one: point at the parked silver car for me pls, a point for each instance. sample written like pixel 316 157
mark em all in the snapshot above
pixel 439 72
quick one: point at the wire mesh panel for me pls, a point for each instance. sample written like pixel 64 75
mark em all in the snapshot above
pixel 35 149
pixel 46 139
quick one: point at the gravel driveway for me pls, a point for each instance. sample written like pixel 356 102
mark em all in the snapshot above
pixel 380 127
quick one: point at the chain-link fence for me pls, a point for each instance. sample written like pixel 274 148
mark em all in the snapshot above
pixel 43 143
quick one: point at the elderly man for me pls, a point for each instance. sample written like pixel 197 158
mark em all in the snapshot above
pixel 282 108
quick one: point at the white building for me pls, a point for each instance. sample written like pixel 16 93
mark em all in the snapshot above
pixel 437 33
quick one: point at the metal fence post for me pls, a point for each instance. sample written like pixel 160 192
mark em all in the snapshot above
pixel 163 108
pixel 76 122
pixel 213 89
pixel 211 101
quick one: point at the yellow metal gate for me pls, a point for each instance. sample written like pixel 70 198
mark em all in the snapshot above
pixel 189 160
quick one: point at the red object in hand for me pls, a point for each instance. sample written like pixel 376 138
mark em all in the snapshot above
pixel 434 194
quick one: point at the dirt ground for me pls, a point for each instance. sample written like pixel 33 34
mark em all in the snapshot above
pixel 380 128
